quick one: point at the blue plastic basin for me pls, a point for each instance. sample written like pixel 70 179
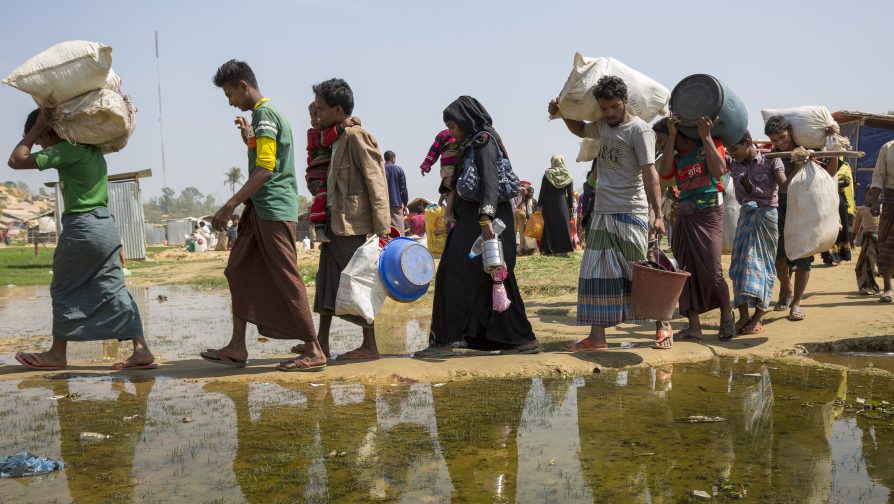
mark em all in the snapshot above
pixel 406 268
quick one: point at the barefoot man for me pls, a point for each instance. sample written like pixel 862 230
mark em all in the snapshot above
pixel 262 270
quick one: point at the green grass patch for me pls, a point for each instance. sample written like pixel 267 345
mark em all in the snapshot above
pixel 19 266
pixel 547 276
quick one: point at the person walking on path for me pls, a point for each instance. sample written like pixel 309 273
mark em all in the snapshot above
pixel 627 187
pixel 90 300
pixel 757 180
pixel 397 191
pixel 865 231
pixel 696 166
pixel 780 132
pixel 555 201
pixel 883 180
pixel 463 312
pixel 262 272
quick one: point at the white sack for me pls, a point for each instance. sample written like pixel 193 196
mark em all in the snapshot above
pixel 809 126
pixel 647 99
pixel 811 218
pixel 589 149
pixel 64 71
pixel 730 213
pixel 103 118
pixel 361 291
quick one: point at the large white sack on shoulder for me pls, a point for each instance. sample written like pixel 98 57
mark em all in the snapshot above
pixel 103 118
pixel 589 149
pixel 730 213
pixel 63 71
pixel 647 99
pixel 811 217
pixel 810 125
pixel 361 291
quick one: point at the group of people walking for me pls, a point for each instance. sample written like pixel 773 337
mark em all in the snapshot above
pixel 352 201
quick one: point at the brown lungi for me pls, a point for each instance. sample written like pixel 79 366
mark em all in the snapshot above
pixel 697 241
pixel 886 233
pixel 265 285
pixel 334 257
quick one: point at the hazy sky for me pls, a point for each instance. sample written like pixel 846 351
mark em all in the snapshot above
pixel 407 59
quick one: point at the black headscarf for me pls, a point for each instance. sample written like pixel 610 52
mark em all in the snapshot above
pixel 469 114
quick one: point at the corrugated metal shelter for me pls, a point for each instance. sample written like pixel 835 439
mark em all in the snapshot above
pixel 156 234
pixel 867 132
pixel 178 229
pixel 126 207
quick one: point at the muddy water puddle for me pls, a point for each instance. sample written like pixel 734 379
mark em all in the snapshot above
pixel 179 322
pixel 777 434
pixel 858 360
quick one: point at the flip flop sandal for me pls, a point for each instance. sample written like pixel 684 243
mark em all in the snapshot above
pixel 120 366
pixel 435 353
pixel 40 366
pixel 759 328
pixel 222 359
pixel 301 366
pixel 886 299
pixel 783 304
pixel 684 335
pixel 584 346
pixel 347 357
pixel 664 343
pixel 796 315
pixel 520 351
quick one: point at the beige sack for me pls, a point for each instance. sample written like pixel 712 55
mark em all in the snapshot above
pixel 103 118
pixel 647 99
pixel 810 125
pixel 63 72
pixel 589 149
pixel 811 216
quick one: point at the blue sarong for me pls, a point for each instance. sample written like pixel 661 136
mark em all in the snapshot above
pixel 606 275
pixel 753 263
pixel 90 301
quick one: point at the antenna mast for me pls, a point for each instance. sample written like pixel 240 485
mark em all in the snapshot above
pixel 161 124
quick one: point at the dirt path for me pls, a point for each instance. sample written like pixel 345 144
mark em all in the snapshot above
pixel 834 312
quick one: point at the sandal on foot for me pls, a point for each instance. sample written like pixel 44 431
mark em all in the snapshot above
pixel 783 304
pixel 38 362
pixel 358 354
pixel 435 352
pixel 585 346
pixel 759 328
pixel 664 339
pixel 214 356
pixel 126 364
pixel 300 365
pixel 886 299
pixel 796 315
pixel 684 335
pixel 521 350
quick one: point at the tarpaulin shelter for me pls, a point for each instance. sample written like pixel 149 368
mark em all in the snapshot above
pixel 867 132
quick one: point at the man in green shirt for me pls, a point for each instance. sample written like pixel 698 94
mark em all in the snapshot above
pixel 90 300
pixel 262 271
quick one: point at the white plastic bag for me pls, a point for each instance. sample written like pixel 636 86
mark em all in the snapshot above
pixel 589 149
pixel 730 213
pixel 811 218
pixel 809 127
pixel 64 71
pixel 647 98
pixel 361 291
pixel 103 118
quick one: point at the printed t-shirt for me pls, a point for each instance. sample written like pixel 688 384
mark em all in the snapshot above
pixel 623 151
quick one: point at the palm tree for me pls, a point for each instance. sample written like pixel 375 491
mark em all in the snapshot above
pixel 233 176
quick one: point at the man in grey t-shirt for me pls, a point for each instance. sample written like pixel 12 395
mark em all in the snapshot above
pixel 619 228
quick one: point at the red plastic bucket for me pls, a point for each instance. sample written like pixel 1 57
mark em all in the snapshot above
pixel 655 293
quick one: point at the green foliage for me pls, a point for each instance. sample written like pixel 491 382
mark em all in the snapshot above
pixel 190 203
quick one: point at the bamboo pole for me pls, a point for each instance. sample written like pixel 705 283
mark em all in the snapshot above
pixel 818 154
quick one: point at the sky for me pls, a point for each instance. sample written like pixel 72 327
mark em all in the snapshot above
pixel 407 59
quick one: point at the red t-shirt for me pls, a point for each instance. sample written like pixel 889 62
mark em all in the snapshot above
pixel 417 225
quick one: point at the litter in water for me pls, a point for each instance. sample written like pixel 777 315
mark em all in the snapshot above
pixel 24 464
pixel 93 436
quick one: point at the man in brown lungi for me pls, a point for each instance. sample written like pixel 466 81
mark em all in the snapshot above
pixel 262 271
pixel 357 205
pixel 883 181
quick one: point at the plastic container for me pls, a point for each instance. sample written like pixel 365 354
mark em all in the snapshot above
pixel 702 95
pixel 655 292
pixel 407 269
pixel 493 256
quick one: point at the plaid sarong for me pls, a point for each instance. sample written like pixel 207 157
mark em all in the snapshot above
pixel 867 263
pixel 613 242
pixel 752 266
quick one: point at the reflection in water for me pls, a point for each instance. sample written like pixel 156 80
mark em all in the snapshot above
pixel 615 437
pixel 191 321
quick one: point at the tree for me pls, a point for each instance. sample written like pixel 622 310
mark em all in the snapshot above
pixel 23 187
pixel 167 199
pixel 233 176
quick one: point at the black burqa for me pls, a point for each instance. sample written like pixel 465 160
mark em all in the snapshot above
pixel 555 201
pixel 462 309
